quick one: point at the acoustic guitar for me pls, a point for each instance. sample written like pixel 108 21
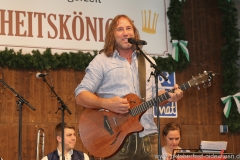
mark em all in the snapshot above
pixel 103 132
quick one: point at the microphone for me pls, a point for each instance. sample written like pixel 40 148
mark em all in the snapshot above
pixel 134 41
pixel 39 75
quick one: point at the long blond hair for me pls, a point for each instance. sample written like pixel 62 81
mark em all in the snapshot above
pixel 109 45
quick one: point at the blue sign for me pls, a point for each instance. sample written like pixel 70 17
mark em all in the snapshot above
pixel 170 109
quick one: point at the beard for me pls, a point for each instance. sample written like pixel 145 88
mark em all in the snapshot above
pixel 124 46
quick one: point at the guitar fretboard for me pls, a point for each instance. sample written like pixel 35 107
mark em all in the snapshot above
pixel 146 105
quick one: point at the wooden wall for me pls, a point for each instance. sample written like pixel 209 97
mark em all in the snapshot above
pixel 39 95
pixel 200 112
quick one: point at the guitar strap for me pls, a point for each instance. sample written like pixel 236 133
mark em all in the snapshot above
pixel 142 76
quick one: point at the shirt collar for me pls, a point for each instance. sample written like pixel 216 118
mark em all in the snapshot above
pixel 116 54
pixel 69 153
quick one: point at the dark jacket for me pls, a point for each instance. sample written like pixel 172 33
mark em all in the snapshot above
pixel 77 155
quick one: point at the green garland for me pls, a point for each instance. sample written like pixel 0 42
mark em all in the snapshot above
pixel 177 32
pixel 229 57
pixel 45 61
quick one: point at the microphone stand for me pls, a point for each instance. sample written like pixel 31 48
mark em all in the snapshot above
pixel 63 108
pixel 19 102
pixel 156 73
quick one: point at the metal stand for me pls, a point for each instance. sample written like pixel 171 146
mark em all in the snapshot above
pixel 156 73
pixel 19 102
pixel 62 108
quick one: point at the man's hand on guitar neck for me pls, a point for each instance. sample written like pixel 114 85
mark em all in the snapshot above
pixel 175 96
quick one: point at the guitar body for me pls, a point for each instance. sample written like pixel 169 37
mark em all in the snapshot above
pixel 102 132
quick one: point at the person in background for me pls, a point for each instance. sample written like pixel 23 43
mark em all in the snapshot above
pixel 69 144
pixel 113 74
pixel 172 134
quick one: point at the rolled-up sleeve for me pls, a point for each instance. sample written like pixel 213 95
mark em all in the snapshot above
pixel 92 78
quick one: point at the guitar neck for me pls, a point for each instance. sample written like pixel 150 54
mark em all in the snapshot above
pixel 146 105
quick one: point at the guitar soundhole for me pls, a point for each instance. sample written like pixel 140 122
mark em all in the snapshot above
pixel 115 138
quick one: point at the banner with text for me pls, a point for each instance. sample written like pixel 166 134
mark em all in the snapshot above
pixel 72 25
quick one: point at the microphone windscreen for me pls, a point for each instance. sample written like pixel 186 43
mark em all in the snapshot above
pixel 37 75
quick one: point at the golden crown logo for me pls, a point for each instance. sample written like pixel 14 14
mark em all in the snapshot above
pixel 146 22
